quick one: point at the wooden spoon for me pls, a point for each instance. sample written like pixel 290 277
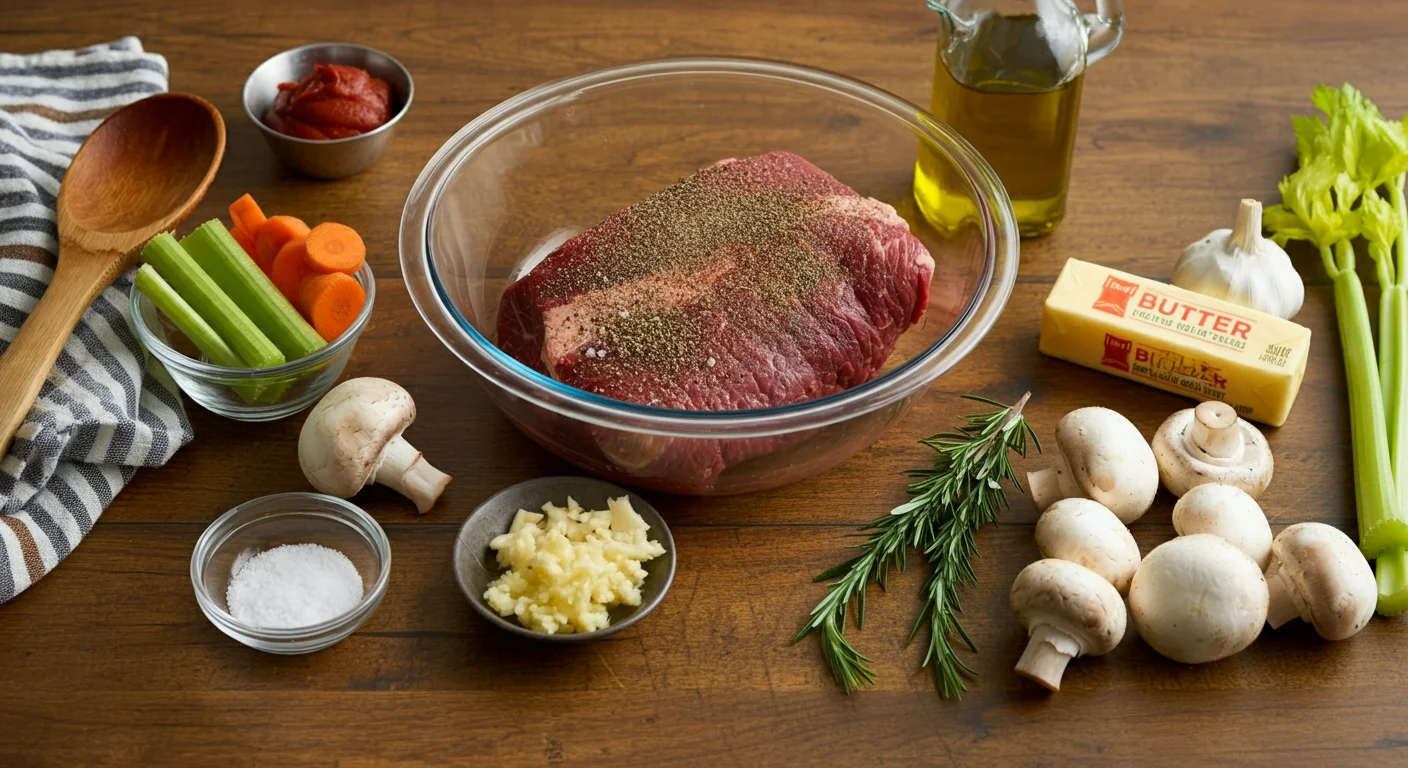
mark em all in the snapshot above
pixel 139 173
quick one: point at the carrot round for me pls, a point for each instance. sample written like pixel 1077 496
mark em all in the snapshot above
pixel 289 268
pixel 335 248
pixel 331 303
pixel 246 215
pixel 277 232
pixel 246 242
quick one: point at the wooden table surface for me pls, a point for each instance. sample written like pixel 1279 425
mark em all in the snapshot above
pixel 109 661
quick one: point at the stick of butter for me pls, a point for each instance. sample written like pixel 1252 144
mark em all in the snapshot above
pixel 1176 340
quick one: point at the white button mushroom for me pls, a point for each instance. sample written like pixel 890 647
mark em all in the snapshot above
pixel 1229 512
pixel 1318 574
pixel 1197 599
pixel 1084 532
pixel 1068 610
pixel 1210 444
pixel 352 438
pixel 1103 457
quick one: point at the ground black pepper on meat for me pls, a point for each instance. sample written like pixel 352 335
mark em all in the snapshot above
pixel 718 213
pixel 663 337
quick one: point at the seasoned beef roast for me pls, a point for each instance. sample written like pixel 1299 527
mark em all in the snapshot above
pixel 753 283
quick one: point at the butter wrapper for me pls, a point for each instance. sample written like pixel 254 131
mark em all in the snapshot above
pixel 1175 340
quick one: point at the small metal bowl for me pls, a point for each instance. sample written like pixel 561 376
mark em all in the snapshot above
pixel 333 158
pixel 476 567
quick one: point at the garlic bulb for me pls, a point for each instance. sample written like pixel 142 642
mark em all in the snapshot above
pixel 1243 267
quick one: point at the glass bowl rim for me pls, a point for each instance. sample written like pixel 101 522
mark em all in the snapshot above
pixel 998 225
pixel 364 523
pixel 204 370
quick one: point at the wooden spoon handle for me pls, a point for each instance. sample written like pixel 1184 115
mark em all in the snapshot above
pixel 27 361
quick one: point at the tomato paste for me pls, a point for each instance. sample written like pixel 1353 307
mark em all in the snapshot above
pixel 334 102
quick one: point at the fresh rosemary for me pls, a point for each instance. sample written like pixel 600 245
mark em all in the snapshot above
pixel 961 493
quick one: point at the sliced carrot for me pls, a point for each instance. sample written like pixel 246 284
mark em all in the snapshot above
pixel 289 268
pixel 247 243
pixel 335 248
pixel 331 303
pixel 247 216
pixel 277 232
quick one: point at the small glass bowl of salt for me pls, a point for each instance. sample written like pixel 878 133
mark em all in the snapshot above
pixel 291 573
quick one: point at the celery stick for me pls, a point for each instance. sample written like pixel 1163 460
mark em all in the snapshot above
pixel 1374 490
pixel 225 261
pixel 205 297
pixel 1393 368
pixel 1393 334
pixel 189 322
pixel 1391 565
pixel 186 319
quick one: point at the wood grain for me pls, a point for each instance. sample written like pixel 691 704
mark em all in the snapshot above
pixel 109 662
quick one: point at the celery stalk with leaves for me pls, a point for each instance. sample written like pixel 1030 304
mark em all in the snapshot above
pixel 1349 185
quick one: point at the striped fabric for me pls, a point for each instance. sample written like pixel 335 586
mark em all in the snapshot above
pixel 105 409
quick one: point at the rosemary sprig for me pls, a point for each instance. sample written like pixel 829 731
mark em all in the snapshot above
pixel 951 501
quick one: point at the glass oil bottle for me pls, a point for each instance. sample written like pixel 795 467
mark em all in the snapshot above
pixel 1007 77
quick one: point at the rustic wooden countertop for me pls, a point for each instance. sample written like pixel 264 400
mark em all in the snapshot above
pixel 109 661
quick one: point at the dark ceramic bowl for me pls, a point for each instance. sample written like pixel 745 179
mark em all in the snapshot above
pixel 476 565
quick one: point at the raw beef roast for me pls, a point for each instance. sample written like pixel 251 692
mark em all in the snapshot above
pixel 753 283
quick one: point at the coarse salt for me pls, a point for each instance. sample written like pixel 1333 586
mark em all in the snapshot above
pixel 293 585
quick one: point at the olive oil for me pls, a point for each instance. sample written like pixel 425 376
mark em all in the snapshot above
pixel 1009 91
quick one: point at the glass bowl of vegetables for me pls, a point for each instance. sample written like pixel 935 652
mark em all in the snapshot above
pixel 245 394
pixel 524 177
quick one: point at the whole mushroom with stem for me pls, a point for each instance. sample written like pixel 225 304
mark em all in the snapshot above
pixel 1318 574
pixel 1100 456
pixel 1198 598
pixel 352 438
pixel 1229 512
pixel 1211 444
pixel 1068 610
pixel 1085 532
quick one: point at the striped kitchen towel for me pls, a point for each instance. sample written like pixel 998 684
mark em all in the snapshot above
pixel 105 410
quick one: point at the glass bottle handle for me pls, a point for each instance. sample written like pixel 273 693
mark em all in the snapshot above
pixel 1106 28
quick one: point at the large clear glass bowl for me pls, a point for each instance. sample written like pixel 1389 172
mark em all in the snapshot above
pixel 528 174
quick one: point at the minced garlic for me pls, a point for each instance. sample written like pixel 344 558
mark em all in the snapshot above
pixel 566 568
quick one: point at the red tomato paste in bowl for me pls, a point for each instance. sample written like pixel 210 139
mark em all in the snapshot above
pixel 335 102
